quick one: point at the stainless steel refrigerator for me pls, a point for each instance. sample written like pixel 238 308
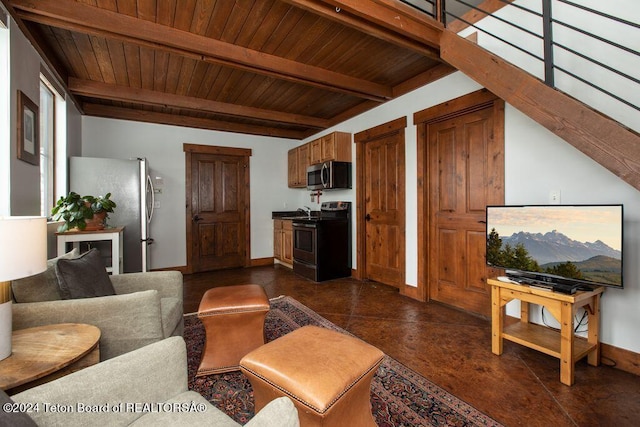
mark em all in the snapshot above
pixel 131 188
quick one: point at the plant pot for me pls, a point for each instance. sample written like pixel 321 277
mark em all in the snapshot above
pixel 96 223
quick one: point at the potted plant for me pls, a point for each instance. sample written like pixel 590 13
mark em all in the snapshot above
pixel 82 212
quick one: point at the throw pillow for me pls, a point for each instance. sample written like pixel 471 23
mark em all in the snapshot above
pixel 84 277
pixel 42 286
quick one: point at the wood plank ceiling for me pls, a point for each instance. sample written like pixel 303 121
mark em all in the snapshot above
pixel 286 68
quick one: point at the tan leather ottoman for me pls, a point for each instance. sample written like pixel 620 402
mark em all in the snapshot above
pixel 233 319
pixel 327 375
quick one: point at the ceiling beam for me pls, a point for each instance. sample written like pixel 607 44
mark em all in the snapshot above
pixel 167 100
pixel 320 8
pixel 74 16
pixel 396 16
pixel 120 113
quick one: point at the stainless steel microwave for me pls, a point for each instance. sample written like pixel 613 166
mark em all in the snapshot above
pixel 329 176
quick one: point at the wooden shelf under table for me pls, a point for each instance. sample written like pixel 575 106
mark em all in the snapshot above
pixel 544 339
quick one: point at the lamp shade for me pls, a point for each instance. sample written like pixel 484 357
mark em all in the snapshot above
pixel 23 253
pixel 23 246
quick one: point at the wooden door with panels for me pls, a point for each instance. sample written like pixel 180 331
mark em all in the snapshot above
pixel 461 171
pixel 217 207
pixel 381 203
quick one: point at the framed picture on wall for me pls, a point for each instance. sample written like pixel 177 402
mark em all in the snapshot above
pixel 28 130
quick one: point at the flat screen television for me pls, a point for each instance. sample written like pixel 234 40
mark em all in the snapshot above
pixel 575 246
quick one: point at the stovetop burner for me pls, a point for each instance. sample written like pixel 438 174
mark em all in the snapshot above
pixel 329 211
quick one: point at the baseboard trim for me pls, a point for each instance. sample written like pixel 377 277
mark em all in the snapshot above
pixel 261 262
pixel 619 358
pixel 182 269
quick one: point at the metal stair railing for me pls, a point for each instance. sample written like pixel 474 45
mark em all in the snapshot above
pixel 582 51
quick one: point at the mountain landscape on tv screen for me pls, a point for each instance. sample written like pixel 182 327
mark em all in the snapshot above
pixel 596 260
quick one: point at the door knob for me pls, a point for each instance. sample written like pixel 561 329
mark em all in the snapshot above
pixel 368 217
pixel 196 218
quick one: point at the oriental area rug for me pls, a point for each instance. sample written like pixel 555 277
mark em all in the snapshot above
pixel 399 396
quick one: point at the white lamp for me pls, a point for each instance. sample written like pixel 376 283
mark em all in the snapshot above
pixel 23 253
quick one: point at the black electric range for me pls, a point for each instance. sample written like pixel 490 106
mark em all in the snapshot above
pixel 322 243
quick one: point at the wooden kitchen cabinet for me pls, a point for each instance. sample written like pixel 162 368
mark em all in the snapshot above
pixel 287 242
pixel 283 241
pixel 277 239
pixel 298 161
pixel 334 146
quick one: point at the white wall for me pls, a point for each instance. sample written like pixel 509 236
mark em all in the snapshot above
pixel 162 146
pixel 25 76
pixel 24 178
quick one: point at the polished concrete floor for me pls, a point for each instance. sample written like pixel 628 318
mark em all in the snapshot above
pixel 452 349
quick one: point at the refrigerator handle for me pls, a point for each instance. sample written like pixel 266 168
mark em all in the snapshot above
pixel 153 199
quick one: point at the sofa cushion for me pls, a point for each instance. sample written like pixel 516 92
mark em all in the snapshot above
pixel 83 277
pixel 171 309
pixel 43 286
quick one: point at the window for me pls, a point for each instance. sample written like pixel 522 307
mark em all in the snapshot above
pixel 52 130
pixel 47 148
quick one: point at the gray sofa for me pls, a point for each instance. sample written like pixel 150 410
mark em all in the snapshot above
pixel 146 387
pixel 147 308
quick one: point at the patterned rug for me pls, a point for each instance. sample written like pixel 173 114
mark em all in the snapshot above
pixel 399 396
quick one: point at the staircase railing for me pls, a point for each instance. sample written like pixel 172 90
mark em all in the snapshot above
pixel 591 54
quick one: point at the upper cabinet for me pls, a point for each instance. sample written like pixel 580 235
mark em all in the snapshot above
pixel 334 146
pixel 298 162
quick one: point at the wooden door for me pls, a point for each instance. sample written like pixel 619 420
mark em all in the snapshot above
pixel 381 206
pixel 218 209
pixel 465 171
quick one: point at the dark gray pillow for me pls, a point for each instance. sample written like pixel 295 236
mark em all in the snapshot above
pixel 9 414
pixel 84 277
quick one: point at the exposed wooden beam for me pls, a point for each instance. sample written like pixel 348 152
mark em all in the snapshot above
pixel 320 8
pixel 168 100
pixel 603 139
pixel 396 16
pixel 52 64
pixel 194 122
pixel 74 16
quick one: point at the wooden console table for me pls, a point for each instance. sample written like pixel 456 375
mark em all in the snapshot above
pixel 563 344
pixel 113 234
pixel 44 353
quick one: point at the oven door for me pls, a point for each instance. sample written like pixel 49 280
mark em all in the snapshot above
pixel 305 238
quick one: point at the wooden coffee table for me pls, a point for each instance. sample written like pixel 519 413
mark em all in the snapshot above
pixel 44 353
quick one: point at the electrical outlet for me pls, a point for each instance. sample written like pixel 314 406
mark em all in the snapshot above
pixel 554 197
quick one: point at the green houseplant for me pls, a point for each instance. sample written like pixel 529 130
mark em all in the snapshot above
pixel 82 212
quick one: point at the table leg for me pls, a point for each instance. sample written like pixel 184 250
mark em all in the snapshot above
pixel 497 321
pixel 115 256
pixel 566 344
pixel 524 311
pixel 62 245
pixel 593 336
